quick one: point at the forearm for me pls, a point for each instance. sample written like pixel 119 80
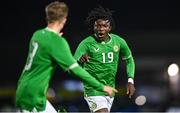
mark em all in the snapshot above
pixel 86 77
pixel 130 67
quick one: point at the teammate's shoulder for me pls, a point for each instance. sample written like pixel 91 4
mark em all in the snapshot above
pixel 39 31
pixel 62 38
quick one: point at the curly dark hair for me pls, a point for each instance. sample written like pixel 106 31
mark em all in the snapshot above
pixel 99 13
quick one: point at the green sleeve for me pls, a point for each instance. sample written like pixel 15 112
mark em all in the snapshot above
pixel 81 50
pixel 130 67
pixel 86 77
pixel 126 54
pixel 124 49
pixel 62 54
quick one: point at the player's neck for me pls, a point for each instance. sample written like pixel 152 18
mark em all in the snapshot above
pixel 105 39
pixel 55 27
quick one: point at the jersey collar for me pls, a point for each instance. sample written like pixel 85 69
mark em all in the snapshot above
pixel 103 42
pixel 49 29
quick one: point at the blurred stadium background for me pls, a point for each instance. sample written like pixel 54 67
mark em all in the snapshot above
pixel 151 28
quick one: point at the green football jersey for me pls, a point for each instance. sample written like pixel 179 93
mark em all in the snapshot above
pixel 46 50
pixel 104 58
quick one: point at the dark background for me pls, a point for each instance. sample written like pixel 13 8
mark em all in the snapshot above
pixel 150 27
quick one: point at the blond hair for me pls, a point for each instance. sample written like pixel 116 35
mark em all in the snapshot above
pixel 56 11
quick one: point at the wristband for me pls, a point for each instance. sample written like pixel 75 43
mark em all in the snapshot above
pixel 130 80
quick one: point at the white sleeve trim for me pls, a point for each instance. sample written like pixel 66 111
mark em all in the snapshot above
pixel 72 66
pixel 127 57
pixel 131 80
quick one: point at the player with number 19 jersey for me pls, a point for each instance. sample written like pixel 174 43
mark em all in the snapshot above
pixel 103 61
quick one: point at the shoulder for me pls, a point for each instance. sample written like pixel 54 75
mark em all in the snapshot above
pixel 39 31
pixel 58 43
pixel 63 39
pixel 117 37
pixel 88 39
pixel 59 40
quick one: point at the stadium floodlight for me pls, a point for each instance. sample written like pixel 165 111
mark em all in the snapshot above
pixel 173 69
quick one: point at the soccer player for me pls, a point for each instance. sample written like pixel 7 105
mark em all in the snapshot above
pixel 99 55
pixel 47 50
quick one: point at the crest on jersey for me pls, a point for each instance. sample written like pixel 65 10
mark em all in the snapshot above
pixel 116 48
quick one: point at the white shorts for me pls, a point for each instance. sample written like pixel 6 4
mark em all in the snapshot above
pixel 98 102
pixel 49 109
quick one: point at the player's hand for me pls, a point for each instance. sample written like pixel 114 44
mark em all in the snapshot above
pixel 84 58
pixel 130 89
pixel 109 90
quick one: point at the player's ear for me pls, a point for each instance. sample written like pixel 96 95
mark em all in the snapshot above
pixel 64 20
pixel 110 28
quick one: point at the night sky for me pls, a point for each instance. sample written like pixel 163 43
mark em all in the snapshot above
pixel 150 27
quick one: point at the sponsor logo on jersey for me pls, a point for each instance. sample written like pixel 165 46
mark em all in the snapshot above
pixel 116 48
pixel 96 49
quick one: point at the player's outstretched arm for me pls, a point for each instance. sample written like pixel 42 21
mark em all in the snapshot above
pixel 87 78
